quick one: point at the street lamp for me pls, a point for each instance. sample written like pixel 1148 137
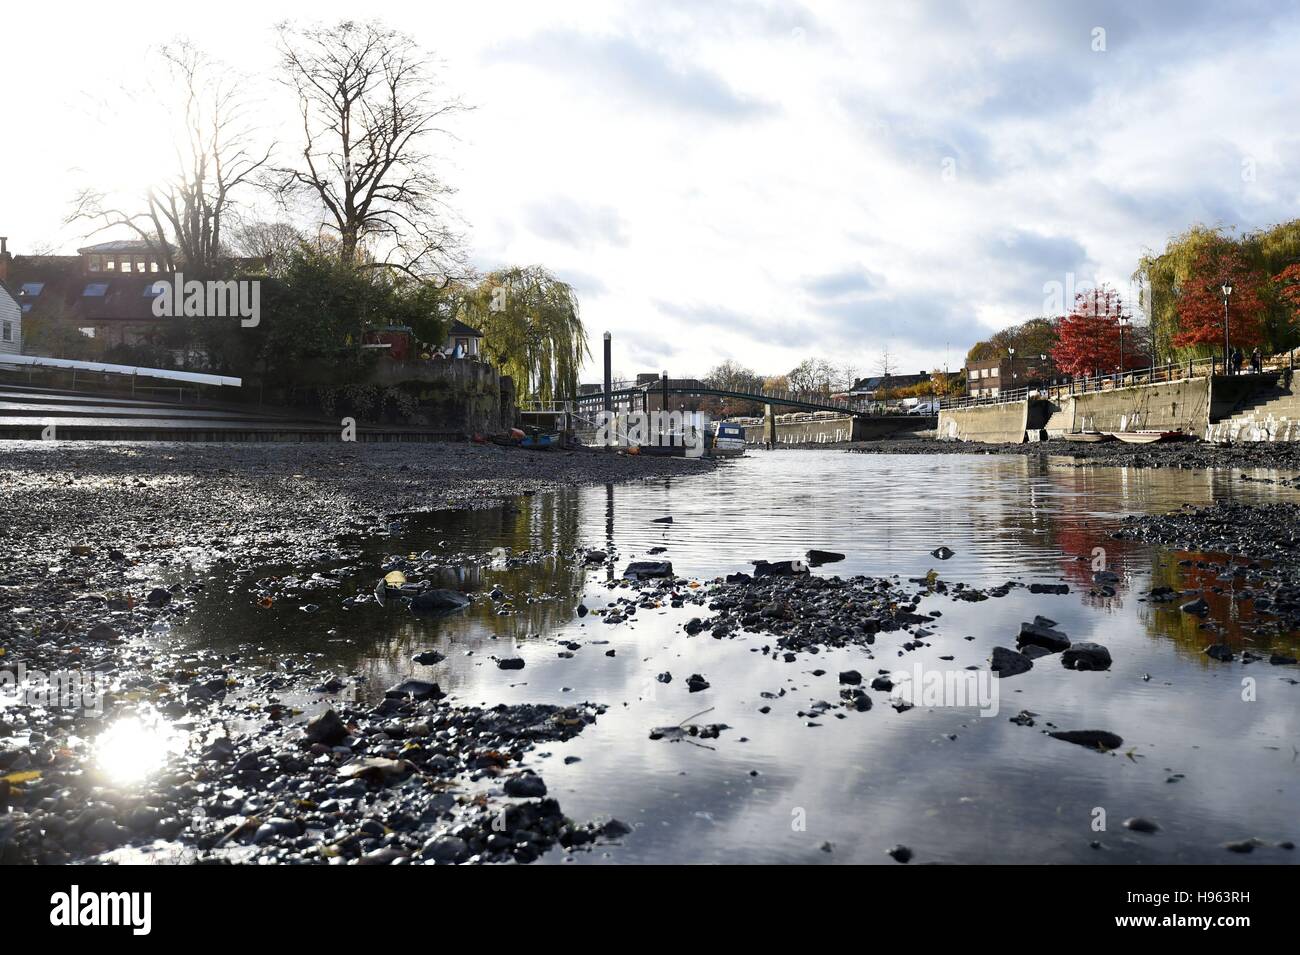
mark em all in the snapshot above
pixel 1226 288
pixel 1121 321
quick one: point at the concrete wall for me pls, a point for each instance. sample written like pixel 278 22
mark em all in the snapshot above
pixel 1169 406
pixel 847 428
pixel 1002 423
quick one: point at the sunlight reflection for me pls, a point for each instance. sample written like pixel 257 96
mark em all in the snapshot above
pixel 133 747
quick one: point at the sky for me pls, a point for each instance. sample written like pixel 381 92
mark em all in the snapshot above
pixel 762 182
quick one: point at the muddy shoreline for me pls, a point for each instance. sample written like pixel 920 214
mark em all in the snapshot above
pixel 93 564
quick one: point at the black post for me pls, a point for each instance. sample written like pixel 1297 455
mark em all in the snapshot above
pixel 1227 361
pixel 663 404
pixel 609 375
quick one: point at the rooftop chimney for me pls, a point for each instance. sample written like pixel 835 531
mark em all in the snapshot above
pixel 5 258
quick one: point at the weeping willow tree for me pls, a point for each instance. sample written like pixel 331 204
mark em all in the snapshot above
pixel 531 330
pixel 1163 277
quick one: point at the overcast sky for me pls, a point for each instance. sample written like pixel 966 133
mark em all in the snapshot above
pixel 755 181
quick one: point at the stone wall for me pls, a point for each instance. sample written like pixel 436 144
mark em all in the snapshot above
pixel 1002 423
pixel 1169 406
pixel 450 395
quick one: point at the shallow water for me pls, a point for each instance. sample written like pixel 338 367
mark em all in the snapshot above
pixel 951 784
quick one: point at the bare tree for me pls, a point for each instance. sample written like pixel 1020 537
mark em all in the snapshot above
pixel 216 154
pixel 368 102
pixel 887 369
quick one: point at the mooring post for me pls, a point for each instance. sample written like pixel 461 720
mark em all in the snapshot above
pixel 609 386
pixel 769 426
pixel 663 405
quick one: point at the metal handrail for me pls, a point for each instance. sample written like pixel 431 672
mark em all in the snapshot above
pixel 1172 371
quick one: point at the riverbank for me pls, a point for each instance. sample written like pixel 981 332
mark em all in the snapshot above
pixel 1173 454
pixel 103 554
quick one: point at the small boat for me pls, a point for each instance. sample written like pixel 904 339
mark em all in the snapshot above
pixel 1087 436
pixel 1146 437
pixel 540 442
pixel 728 440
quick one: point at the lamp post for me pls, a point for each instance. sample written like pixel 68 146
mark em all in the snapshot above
pixel 1226 288
pixel 1121 321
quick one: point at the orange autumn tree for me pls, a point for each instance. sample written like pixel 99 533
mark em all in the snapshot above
pixel 1200 303
pixel 1088 339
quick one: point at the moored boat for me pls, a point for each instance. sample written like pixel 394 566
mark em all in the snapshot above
pixel 1087 436
pixel 728 440
pixel 1146 437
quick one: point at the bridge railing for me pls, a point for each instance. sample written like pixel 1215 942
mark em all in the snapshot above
pixel 1151 375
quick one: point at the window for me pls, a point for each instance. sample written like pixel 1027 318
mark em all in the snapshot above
pixel 126 264
pixel 26 307
pixel 96 290
pixel 154 289
pixel 88 332
pixel 32 289
pixel 93 263
pixel 141 264
pixel 110 265
pixel 993 372
pixel 7 332
pixel 153 265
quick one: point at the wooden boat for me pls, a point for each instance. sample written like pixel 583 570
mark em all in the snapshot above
pixel 1146 437
pixel 1087 436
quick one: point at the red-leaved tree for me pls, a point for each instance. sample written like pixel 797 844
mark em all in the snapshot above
pixel 1288 285
pixel 1200 304
pixel 1088 339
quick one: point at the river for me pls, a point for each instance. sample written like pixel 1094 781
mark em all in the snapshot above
pixel 954 786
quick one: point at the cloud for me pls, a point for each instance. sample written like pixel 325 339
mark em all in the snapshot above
pixel 570 222
pixel 627 68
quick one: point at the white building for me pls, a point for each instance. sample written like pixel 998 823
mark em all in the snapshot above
pixel 11 323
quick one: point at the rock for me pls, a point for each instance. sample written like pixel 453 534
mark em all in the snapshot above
pixel 377 770
pixel 158 597
pixel 695 683
pixel 103 633
pixel 1140 824
pixel 645 569
pixel 852 677
pixel 1219 651
pixel 1198 607
pixel 510 663
pixel 416 690
pixel 428 657
pixel 1279 659
pixel 525 786
pixel 665 677
pixel 595 557
pixel 883 683
pixel 779 568
pixel 1049 588
pixel 1105 577
pixel 1093 739
pixel 1008 663
pixel 943 553
pixel 446 849
pixel 327 728
pixel 663 520
pixel 900 853
pixel 1040 635
pixel 818 557
pixel 438 601
pixel 1086 656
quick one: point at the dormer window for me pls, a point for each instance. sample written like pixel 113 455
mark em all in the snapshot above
pixel 94 263
pixel 110 265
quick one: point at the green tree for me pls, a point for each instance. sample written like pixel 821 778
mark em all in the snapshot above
pixel 531 329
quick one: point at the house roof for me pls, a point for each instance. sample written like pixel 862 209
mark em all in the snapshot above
pixel 122 245
pixel 895 381
pixel 460 328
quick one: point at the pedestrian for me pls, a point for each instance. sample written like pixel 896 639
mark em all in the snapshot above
pixel 1256 361
pixel 1236 361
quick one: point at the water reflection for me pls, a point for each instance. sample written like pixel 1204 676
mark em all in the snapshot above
pixel 954 786
pixel 132 747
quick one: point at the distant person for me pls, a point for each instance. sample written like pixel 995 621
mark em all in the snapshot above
pixel 1256 361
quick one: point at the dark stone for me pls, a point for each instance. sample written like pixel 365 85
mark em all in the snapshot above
pixel 438 601
pixel 1086 656
pixel 511 663
pixel 1007 663
pixel 1049 588
pixel 779 568
pixel 1219 651
pixel 158 597
pixel 1197 606
pixel 695 683
pixel 1093 739
pixel 428 657
pixel 900 854
pixel 416 690
pixel 1039 635
pixel 818 557
pixel 851 676
pixel 649 568
pixel 526 786
pixel 327 728
pixel 1139 824
pixel 943 553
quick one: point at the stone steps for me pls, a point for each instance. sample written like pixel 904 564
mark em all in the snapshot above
pixel 1271 416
